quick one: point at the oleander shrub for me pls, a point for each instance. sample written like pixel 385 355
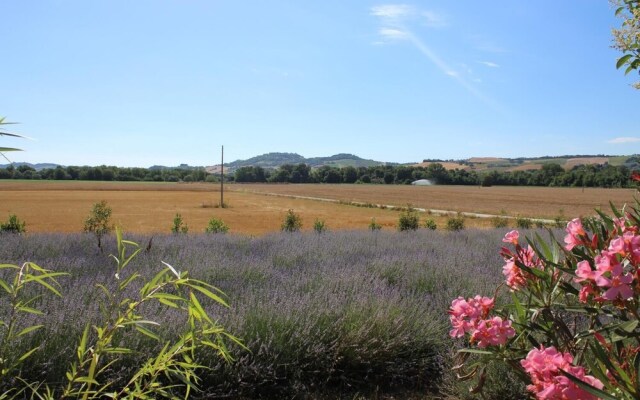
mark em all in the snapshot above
pixel 569 327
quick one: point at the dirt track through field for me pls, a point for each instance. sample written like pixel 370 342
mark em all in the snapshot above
pixel 392 207
pixel 530 202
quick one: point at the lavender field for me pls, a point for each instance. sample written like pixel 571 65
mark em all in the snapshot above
pixel 350 313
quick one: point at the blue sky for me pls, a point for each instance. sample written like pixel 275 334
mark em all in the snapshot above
pixel 138 83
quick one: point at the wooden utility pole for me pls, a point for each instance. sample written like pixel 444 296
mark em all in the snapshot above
pixel 222 179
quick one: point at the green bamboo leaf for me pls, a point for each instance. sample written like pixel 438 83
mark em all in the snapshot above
pixel 27 354
pixel 29 329
pixel 127 281
pixel 86 379
pixel 622 60
pixel 9 149
pixel 209 294
pixel 82 347
pixel 5 286
pixel 29 310
pixel 147 332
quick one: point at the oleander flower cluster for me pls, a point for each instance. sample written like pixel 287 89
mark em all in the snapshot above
pixel 572 327
pixel 545 367
pixel 471 317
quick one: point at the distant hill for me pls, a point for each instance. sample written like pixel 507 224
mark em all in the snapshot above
pixel 37 167
pixel 274 160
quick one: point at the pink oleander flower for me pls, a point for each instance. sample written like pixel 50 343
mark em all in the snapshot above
pixel 618 284
pixel 544 365
pixel 511 237
pixel 584 272
pixel 492 332
pixel 516 278
pixel 466 314
pixel 574 232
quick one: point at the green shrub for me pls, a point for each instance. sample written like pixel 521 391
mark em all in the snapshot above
pixel 319 226
pixel 99 221
pixel 499 222
pixel 429 223
pixel 409 220
pixel 455 223
pixel 216 225
pixel 374 226
pixel 292 222
pixel 523 223
pixel 13 225
pixel 178 225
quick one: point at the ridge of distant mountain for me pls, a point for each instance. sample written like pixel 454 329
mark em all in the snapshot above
pixel 37 167
pixel 274 160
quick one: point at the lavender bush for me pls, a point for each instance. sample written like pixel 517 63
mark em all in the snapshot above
pixel 353 311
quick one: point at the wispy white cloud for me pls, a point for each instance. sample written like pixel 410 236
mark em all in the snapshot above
pixel 395 20
pixel 392 11
pixel 623 140
pixel 393 33
pixel 489 64
pixel 434 20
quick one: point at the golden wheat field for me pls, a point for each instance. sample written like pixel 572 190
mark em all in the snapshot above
pixel 59 206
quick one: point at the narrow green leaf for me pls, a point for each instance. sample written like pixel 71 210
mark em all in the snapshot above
pixel 27 354
pixel 147 332
pixel 29 310
pixel 210 295
pixel 29 329
pixel 474 351
pixel 588 388
pixel 86 379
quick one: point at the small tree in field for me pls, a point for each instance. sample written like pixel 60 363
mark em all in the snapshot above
pixel 99 221
pixel 409 220
pixel 319 226
pixel 374 226
pixel 216 225
pixel 13 225
pixel 292 222
pixel 179 226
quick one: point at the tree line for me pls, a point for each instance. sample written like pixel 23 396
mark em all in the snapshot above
pixel 551 174
pixel 108 173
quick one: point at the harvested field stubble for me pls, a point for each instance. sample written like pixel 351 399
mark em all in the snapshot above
pixel 532 202
pixel 150 207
